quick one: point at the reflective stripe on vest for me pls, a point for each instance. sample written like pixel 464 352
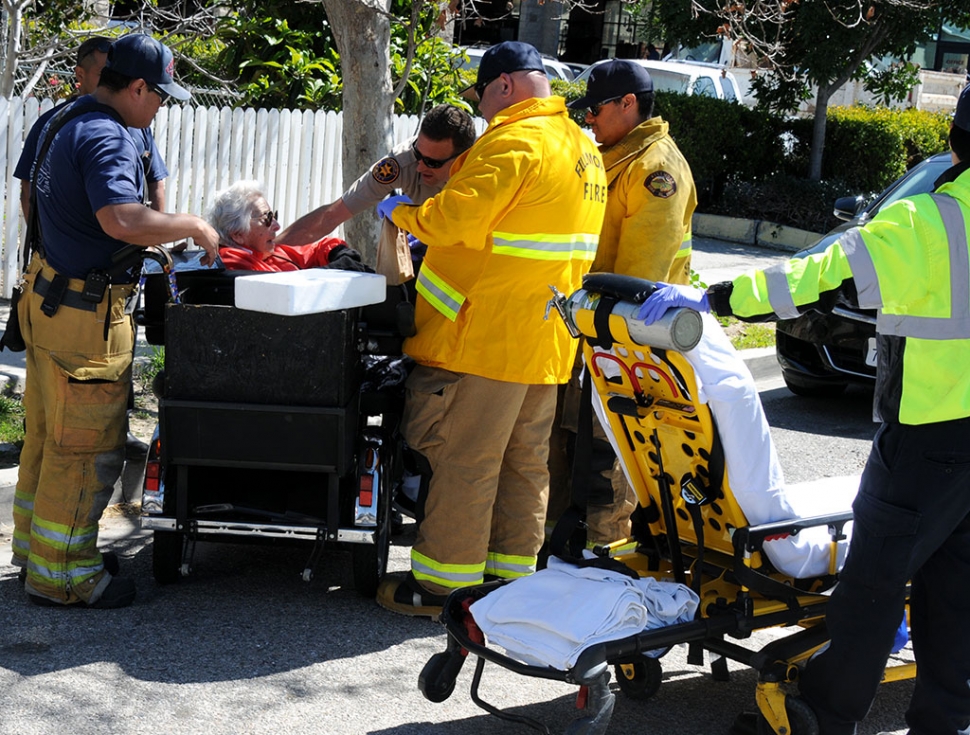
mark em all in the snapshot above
pixel 954 326
pixel 685 247
pixel 779 293
pixel 507 566
pixel 535 246
pixel 426 569
pixel 439 294
pixel 20 543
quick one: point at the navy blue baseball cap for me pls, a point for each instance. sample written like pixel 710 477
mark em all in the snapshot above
pixel 140 56
pixel 613 79
pixel 961 118
pixel 505 58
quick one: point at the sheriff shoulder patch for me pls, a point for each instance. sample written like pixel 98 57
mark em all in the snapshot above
pixel 386 170
pixel 661 184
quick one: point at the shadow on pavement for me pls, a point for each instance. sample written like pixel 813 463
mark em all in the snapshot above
pixel 219 624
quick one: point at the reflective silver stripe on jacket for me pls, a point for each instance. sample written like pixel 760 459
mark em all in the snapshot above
pixel 779 293
pixel 863 269
pixel 957 325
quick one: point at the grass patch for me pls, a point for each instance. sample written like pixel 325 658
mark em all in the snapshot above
pixel 11 420
pixel 754 335
pixel 153 366
pixel 746 336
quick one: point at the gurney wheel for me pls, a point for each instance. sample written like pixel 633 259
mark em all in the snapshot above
pixel 640 679
pixel 438 677
pixel 800 716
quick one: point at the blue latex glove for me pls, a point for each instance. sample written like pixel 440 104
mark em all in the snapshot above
pixel 667 297
pixel 385 207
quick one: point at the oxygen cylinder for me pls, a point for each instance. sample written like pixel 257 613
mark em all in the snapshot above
pixel 678 329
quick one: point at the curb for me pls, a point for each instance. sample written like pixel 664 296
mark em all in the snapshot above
pixel 760 233
pixel 761 361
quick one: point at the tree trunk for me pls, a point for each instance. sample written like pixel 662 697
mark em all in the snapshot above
pixel 818 132
pixel 363 34
pixel 11 51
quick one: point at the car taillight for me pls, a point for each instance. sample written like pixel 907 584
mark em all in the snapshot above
pixel 153 473
pixel 365 495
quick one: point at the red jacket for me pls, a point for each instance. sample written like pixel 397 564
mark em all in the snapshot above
pixel 283 258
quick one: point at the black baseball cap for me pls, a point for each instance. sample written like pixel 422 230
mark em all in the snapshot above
pixel 95 43
pixel 961 118
pixel 505 58
pixel 613 79
pixel 140 56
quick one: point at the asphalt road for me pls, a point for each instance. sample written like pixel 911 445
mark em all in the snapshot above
pixel 245 646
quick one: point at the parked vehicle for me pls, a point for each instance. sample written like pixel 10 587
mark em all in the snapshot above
pixel 685 77
pixel 820 354
pixel 555 69
pixel 576 68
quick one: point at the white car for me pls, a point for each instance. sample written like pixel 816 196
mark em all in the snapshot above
pixel 685 77
pixel 555 69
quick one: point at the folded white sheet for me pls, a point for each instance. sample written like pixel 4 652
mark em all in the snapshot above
pixel 550 617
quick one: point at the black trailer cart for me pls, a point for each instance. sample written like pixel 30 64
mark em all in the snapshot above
pixel 271 427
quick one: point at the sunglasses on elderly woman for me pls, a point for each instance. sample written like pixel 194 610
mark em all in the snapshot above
pixel 266 218
pixel 429 162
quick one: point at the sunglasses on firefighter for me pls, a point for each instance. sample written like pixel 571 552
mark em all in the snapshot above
pixel 160 92
pixel 429 162
pixel 595 110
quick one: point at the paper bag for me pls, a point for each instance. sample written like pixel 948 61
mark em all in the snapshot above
pixel 394 255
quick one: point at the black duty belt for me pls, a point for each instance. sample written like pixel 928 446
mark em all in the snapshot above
pixel 69 298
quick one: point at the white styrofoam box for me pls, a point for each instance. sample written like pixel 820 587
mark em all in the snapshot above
pixel 309 291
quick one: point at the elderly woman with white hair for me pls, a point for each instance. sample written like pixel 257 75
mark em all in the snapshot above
pixel 247 228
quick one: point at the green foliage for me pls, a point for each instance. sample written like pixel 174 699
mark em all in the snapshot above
pixel 751 163
pixel 869 148
pixel 146 371
pixel 570 91
pixel 721 139
pixel 281 66
pixel 814 42
pixel 892 83
pixel 286 57
pixel 11 420
pixel 435 77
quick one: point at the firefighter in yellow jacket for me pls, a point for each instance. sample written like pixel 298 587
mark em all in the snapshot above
pixel 647 229
pixel 522 211
pixel 912 513
pixel 647 234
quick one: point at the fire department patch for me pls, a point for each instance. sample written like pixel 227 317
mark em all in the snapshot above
pixel 661 184
pixel 386 170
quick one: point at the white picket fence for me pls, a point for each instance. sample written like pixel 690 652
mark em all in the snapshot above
pixel 296 154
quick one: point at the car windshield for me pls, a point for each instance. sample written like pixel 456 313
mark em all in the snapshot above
pixel 918 181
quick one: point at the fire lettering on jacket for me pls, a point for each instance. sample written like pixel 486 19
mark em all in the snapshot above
pixel 594 192
pixel 585 160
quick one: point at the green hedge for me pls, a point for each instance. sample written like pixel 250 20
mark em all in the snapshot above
pixel 746 160
pixel 869 148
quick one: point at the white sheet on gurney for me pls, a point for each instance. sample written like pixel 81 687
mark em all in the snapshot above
pixel 550 617
pixel 752 466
